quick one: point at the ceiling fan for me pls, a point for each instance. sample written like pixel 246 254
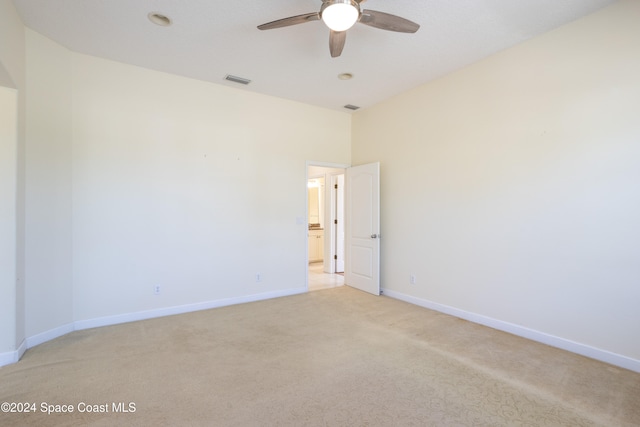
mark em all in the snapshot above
pixel 340 15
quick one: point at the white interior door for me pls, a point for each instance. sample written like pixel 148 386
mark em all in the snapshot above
pixel 362 200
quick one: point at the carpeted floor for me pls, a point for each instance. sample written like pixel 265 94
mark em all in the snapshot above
pixel 337 357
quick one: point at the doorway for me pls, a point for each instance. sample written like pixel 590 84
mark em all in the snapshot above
pixel 325 235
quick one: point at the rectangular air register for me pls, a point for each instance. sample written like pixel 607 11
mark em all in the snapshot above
pixel 351 107
pixel 237 79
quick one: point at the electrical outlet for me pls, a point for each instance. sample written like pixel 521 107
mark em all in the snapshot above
pixel 156 289
pixel 258 277
pixel 412 279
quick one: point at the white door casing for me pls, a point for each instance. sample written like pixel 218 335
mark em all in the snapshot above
pixel 362 206
pixel 337 226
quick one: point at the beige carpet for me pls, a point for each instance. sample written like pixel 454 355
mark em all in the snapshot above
pixel 337 357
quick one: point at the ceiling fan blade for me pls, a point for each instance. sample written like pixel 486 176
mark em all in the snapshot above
pixel 387 21
pixel 336 42
pixel 292 20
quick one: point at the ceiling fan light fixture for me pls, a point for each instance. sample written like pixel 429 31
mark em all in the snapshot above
pixel 340 15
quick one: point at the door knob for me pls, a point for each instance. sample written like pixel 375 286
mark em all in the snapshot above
pixel 374 236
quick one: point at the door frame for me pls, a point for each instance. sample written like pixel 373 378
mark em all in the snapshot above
pixel 337 208
pixel 306 209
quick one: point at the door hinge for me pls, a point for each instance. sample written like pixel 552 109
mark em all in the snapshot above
pixel 335 257
pixel 335 221
pixel 335 186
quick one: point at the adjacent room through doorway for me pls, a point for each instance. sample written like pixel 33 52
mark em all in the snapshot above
pixel 325 236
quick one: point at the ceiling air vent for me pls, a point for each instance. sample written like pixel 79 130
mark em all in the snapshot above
pixel 351 107
pixel 237 79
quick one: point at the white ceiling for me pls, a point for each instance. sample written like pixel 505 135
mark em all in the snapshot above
pixel 212 38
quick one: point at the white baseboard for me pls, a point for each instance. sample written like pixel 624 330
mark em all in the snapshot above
pixel 9 357
pixel 180 309
pixel 531 334
pixel 21 349
pixel 49 335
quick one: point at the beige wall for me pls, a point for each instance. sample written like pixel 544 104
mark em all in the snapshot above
pixel 510 188
pixel 192 186
pixel 8 217
pixel 48 185
pixel 12 78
